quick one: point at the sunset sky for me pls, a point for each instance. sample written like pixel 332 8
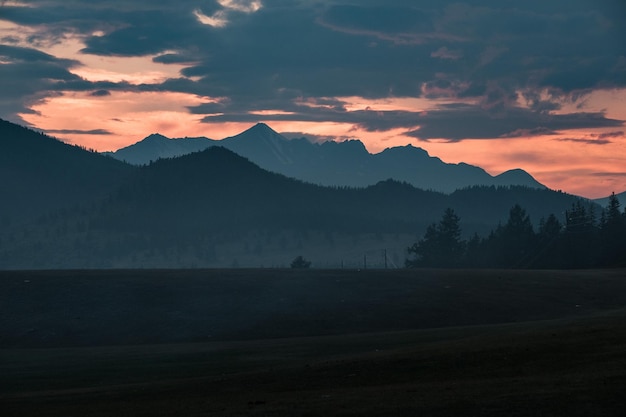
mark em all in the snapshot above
pixel 535 84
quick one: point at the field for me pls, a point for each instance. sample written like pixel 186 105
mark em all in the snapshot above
pixel 314 342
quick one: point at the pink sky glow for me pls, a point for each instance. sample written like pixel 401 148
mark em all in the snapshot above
pixel 553 160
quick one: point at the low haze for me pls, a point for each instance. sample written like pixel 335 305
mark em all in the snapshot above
pixel 534 85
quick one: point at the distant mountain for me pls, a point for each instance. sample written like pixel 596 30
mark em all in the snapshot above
pixel 219 191
pixel 516 177
pixel 157 146
pixel 40 173
pixel 605 200
pixel 335 163
pixel 65 207
pixel 215 209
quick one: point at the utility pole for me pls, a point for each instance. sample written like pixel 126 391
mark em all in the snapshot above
pixel 364 261
pixel 385 258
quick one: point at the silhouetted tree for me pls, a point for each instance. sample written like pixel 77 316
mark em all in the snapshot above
pixel 300 263
pixel 475 253
pixel 580 240
pixel 549 239
pixel 613 234
pixel 441 245
pixel 513 242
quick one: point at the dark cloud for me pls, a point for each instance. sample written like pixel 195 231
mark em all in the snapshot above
pixel 595 139
pixel 148 32
pixel 445 53
pixel 175 58
pixel 488 51
pixel 525 133
pixel 460 122
pixel 382 21
pixel 79 132
pixel 30 55
pixel 586 141
pixel 28 76
pixel 100 93
pixel 609 174
pixel 454 122
pixel 607 135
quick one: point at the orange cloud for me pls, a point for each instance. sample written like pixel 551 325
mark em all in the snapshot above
pixel 558 164
pixel 583 167
pixel 128 116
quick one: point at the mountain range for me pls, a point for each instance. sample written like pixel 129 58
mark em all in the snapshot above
pixel 66 207
pixel 330 163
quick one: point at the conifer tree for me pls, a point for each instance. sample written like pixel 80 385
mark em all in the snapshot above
pixel 441 245
pixel 613 235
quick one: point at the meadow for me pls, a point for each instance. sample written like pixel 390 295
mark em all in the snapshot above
pixel 312 342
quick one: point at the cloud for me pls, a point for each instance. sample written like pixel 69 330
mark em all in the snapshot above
pixel 267 55
pixel 460 122
pixel 595 138
pixel 382 21
pixel 525 133
pixel 586 141
pixel 609 174
pixel 15 54
pixel 445 53
pixel 28 76
pixel 220 18
pixel 100 93
pixel 607 135
pixel 246 6
pixel 452 122
pixel 175 58
pixel 217 20
pixel 79 132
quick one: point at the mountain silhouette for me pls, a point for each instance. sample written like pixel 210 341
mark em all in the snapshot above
pixel 224 192
pixel 157 146
pixel 40 173
pixel 332 163
pixel 212 207
pixel 621 197
pixel 66 207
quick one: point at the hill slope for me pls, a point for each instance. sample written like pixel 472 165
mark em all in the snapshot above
pixel 215 208
pixel 40 173
pixel 604 201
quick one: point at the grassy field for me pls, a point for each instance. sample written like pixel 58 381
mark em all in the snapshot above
pixel 308 343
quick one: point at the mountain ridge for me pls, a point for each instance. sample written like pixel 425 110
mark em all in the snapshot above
pixel 215 208
pixel 40 173
pixel 346 163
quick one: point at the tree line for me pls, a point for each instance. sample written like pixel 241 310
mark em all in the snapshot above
pixel 584 240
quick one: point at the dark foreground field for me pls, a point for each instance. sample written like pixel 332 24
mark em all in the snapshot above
pixel 296 343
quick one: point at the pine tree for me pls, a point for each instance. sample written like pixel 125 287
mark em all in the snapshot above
pixel 613 235
pixel 548 243
pixel 514 241
pixel 441 245
pixel 581 236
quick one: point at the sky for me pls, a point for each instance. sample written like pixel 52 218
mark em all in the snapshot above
pixel 502 84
